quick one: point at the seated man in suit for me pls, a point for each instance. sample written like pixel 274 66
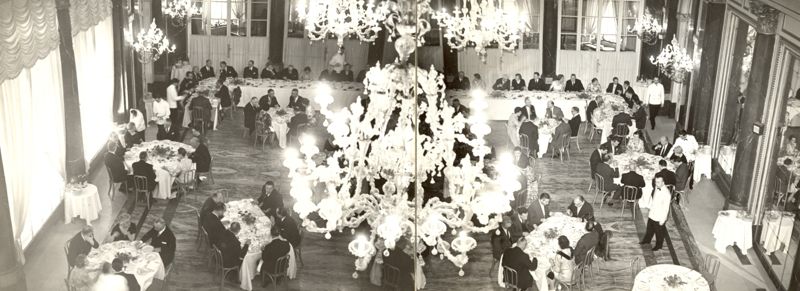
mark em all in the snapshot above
pixel 273 251
pixel 639 115
pixel 614 87
pixel 537 83
pixel 573 84
pixel 681 175
pixel 226 71
pixel 586 242
pixel 608 174
pixel 531 131
pixel 621 123
pixel 561 136
pixel 553 111
pixel 296 125
pixel 516 259
pixel 575 122
pixel 117 166
pixel 213 225
pixel 669 176
pixel 207 71
pixel 538 211
pixel 592 106
pixel 290 73
pixel 201 157
pixel 270 199
pixel 501 238
pixel 117 265
pixel 631 98
pixel 288 226
pixel 677 155
pixel 268 101
pixel 613 146
pixel 142 168
pixel 295 100
pixel 132 137
pixel 401 258
pixel 233 251
pixel 633 179
pixel 626 87
pixel 251 71
pixel 579 208
pixel 662 147
pixel 81 244
pixel 211 202
pixel 502 84
pixel 162 240
pixel 458 108
pixel 596 158
pixel 518 223
pixel 461 82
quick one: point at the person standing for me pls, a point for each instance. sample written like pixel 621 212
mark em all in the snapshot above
pixel 512 127
pixel 172 99
pixel 655 99
pixel 161 111
pixel 659 211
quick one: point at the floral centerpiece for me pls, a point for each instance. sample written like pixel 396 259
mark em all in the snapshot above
pixel 551 233
pixel 674 281
pixel 77 182
pixel 647 28
pixel 255 225
pixel 281 112
pixel 237 81
pixel 546 125
pixel 673 61
pixel 162 152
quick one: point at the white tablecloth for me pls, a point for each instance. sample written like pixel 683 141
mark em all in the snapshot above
pixel 502 103
pixel 543 244
pixel 344 93
pixel 733 227
pixel 145 264
pixel 603 116
pixel 164 177
pixel 179 72
pixel 647 165
pixel 702 162
pixel 653 278
pixel 777 230
pixel 83 202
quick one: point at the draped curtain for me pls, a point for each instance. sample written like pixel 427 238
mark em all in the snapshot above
pixel 85 14
pixel 28 32
pixel 94 59
pixel 32 142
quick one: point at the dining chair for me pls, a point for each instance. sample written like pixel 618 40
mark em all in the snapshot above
pixel 298 250
pixel 710 269
pixel 683 194
pixel 221 268
pixel 66 253
pixel 510 278
pixel 635 267
pixel 629 196
pixel 391 277
pixel 141 187
pixel 260 134
pixel 595 130
pixel 167 272
pixel 199 118
pixel 210 173
pixel 524 144
pixel 622 131
pixel 575 281
pixel 201 233
pixel 281 271
pixel 113 186
pixel 600 189
pixel 577 139
pixel 187 181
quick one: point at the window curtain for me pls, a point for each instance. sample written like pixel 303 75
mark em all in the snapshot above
pixel 28 32
pixel 32 142
pixel 94 59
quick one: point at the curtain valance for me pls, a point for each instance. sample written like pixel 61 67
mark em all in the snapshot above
pixel 28 32
pixel 85 14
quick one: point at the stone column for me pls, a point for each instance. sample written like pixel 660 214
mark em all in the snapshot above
pixel 277 21
pixel 12 276
pixel 119 20
pixel 703 90
pixel 72 110
pixel 729 133
pixel 549 38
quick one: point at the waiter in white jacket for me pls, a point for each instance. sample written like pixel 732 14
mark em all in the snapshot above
pixel 172 99
pixel 659 212
pixel 655 99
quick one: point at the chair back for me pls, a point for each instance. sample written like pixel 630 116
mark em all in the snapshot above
pixel 524 144
pixel 66 254
pixel 636 266
pixel 199 220
pixel 607 235
pixel 188 177
pixel 110 176
pixel 629 193
pixel 199 114
pixel 260 128
pixel 780 185
pixel 225 195
pixel 589 259
pixel 391 276
pixel 281 266
pixel 621 129
pixel 510 278
pixel 565 139
pixel 140 184
pixel 217 257
pixel 601 183
pixel 711 265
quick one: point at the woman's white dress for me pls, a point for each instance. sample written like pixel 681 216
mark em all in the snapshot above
pixel 513 129
pixel 556 86
pixel 337 62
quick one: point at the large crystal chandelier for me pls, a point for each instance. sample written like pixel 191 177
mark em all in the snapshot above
pixel 343 18
pixel 383 156
pixel 482 23
pixel 647 28
pixel 674 62
pixel 179 11
pixel 151 44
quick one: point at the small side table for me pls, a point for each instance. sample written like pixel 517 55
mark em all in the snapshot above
pixel 733 227
pixel 83 202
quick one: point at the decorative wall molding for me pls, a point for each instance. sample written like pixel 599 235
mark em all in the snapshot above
pixel 766 16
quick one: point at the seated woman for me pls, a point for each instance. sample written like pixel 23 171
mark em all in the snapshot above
pixel 185 164
pixel 635 144
pixel 594 87
pixel 790 146
pixel 558 84
pixel 518 84
pixel 81 279
pixel 563 263
pixel 677 155
pixel 124 229
pixel 201 156
pixel 132 137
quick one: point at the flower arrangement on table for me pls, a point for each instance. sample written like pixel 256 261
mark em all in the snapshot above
pixel 255 225
pixel 673 61
pixel 237 81
pixel 546 125
pixel 674 281
pixel 552 233
pixel 647 28
pixel 77 182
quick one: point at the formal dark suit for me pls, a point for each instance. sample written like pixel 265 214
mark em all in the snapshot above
pixel 290 231
pixel 501 240
pixel 270 202
pixel 202 158
pixel 295 125
pixel 611 148
pixel 530 129
pixel 463 110
pixel 405 265
pixel 608 174
pixel 662 150
pixel 298 101
pixel 561 136
pixel 634 179
pixel 276 249
pixel 79 246
pixel 130 279
pixel 640 116
pixel 117 166
pixel 462 84
pixel 626 90
pixel 266 102
pixel 621 118
pixel 132 139
pixel 576 86
pixel 268 74
pixel 575 125
pixel 517 260
pixel 142 168
pixel 537 84
pixel 224 95
pixel 517 228
pixel 207 72
pixel 585 243
pixel 186 85
pixel 213 226
pixel 207 207
pixel 614 88
pixel 681 177
pixel 165 241
pixel 229 72
pixel 667 175
pixel 345 76
pixel 535 214
pixel 529 111
pixel 590 109
pixel 518 85
pixel 292 74
pixel 586 212
pixel 251 72
pixel 675 158
pixel 594 160
pixel 502 84
pixel 232 250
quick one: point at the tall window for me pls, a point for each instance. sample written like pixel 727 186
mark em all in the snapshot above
pixel 231 17
pixel 598 25
pixel 530 40
pixel 295 26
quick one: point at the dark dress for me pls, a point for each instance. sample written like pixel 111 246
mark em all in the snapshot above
pixel 250 113
pixel 202 158
pixel 117 231
pixel 224 96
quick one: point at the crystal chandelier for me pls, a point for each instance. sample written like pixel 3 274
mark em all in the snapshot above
pixel 673 61
pixel 482 23
pixel 151 44
pixel 647 28
pixel 179 11
pixel 343 18
pixel 385 151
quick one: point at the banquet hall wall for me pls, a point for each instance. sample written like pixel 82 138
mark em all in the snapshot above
pixel 750 125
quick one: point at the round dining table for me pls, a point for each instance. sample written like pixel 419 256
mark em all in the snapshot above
pixel 141 260
pixel 255 228
pixel 659 277
pixel 81 201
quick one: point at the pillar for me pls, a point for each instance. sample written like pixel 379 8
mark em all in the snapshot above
pixel 12 276
pixel 756 93
pixel 549 38
pixel 119 20
pixel 277 21
pixel 72 110
pixel 703 91
pixel 731 116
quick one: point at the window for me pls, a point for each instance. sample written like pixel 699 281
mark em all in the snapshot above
pixel 295 26
pixel 231 17
pixel 530 40
pixel 432 37
pixel 597 25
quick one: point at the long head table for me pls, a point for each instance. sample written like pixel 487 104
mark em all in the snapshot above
pixel 502 103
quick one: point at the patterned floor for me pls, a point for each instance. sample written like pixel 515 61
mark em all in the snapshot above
pixel 241 169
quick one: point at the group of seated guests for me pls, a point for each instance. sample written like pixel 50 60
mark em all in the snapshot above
pixel 509 240
pixel 285 231
pixel 274 71
pixel 258 112
pixel 82 278
pixel 522 126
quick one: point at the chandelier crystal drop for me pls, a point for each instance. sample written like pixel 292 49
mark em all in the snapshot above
pixel 151 44
pixel 385 151
pixel 647 28
pixel 673 61
pixel 482 23
pixel 179 11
